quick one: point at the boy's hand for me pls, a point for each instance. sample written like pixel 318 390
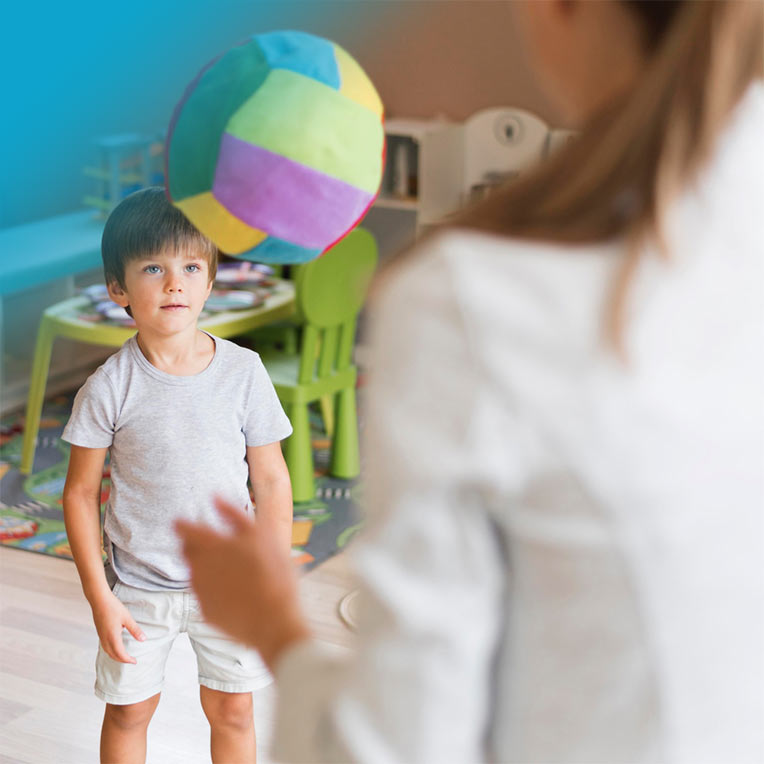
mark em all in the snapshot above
pixel 110 617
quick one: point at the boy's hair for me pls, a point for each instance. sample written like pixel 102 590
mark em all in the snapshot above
pixel 145 223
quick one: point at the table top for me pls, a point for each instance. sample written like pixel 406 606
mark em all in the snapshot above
pixel 279 304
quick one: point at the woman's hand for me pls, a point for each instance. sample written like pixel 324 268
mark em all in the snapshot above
pixel 244 582
pixel 110 617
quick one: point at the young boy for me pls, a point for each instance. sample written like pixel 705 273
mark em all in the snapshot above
pixel 184 416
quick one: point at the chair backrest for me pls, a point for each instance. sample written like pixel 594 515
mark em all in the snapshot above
pixel 330 293
pixel 499 143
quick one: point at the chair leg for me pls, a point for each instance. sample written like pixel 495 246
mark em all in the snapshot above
pixel 38 381
pixel 298 454
pixel 291 345
pixel 345 460
pixel 327 413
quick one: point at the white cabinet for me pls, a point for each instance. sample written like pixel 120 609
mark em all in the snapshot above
pixel 499 144
pixel 423 169
pixel 433 167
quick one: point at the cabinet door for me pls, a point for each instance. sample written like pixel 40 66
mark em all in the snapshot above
pixel 441 168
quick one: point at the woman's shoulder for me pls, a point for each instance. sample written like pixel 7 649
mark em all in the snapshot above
pixel 506 289
pixel 492 255
pixel 467 254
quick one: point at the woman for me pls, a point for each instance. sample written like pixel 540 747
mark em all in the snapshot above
pixel 563 557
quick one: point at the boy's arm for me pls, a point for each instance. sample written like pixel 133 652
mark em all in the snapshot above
pixel 82 517
pixel 272 488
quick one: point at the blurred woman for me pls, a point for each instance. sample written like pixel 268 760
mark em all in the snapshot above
pixel 563 559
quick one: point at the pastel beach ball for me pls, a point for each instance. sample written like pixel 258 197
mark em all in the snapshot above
pixel 276 149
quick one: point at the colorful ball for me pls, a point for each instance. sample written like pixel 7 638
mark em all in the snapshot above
pixel 276 149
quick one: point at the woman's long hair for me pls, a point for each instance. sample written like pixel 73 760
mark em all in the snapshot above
pixel 618 177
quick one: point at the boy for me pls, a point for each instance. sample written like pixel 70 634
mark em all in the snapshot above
pixel 184 416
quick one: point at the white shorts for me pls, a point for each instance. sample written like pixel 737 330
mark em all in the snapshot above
pixel 222 664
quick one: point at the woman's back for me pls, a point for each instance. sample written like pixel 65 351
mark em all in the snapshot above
pixel 629 497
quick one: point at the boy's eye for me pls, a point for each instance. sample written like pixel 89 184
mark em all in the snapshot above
pixel 193 268
pixel 151 269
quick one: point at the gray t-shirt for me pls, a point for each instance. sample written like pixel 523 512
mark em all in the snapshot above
pixel 174 443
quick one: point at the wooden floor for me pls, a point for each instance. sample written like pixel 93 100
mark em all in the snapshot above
pixel 48 712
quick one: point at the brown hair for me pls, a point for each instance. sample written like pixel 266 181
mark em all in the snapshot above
pixel 617 177
pixel 145 223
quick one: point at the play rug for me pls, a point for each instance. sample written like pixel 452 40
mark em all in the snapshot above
pixel 31 514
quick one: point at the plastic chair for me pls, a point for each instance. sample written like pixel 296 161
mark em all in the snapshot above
pixel 330 293
pixel 280 335
pixel 62 320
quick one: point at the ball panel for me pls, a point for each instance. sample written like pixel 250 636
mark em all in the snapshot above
pixel 176 115
pixel 314 125
pixel 195 140
pixel 355 85
pixel 301 53
pixel 280 252
pixel 284 198
pixel 231 235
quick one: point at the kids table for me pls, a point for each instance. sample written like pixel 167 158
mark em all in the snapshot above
pixel 65 319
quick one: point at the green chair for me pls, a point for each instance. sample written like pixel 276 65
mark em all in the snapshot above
pixel 330 292
pixel 280 335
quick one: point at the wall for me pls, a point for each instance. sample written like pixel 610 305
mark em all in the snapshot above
pixel 78 71
pixel 85 69
pixel 452 59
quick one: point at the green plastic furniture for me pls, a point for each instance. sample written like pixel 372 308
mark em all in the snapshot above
pixel 62 320
pixel 330 293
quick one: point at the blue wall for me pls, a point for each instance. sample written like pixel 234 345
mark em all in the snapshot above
pixel 81 70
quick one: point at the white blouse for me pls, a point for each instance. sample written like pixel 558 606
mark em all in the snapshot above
pixel 564 559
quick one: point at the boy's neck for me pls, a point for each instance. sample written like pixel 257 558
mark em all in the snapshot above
pixel 181 355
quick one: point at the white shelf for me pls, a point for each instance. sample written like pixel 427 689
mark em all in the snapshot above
pixel 414 128
pixel 434 166
pixel 397 203
pixel 424 159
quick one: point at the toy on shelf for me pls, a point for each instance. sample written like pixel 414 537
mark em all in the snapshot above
pixel 128 162
pixel 276 149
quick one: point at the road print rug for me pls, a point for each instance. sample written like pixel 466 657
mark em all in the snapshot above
pixel 31 513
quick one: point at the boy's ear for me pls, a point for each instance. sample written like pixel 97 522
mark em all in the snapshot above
pixel 117 294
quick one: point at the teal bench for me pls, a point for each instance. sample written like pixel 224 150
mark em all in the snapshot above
pixel 36 253
pixel 38 265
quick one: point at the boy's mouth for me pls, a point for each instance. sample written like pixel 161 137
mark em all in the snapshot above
pixel 174 306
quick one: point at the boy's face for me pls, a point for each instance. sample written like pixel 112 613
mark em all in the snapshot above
pixel 165 291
